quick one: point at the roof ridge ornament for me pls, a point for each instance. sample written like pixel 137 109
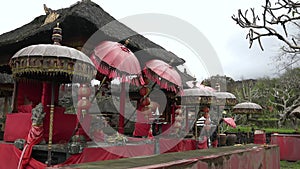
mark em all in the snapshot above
pixel 51 15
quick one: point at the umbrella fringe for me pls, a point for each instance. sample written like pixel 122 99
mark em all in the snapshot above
pixel 163 83
pixel 111 73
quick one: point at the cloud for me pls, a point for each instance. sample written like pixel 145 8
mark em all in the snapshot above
pixel 250 62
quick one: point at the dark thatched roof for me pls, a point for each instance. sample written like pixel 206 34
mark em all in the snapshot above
pixel 79 22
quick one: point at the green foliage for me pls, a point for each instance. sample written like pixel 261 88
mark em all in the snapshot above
pixel 278 97
pixel 289 165
pixel 280 130
pixel 2 120
pixel 267 130
pixel 244 129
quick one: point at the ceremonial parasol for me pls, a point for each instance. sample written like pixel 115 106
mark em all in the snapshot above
pixel 225 98
pixel 247 108
pixel 113 59
pixel 163 74
pixel 52 63
pixel 196 95
pixel 192 84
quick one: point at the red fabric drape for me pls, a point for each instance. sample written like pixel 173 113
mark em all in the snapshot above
pixel 84 125
pixel 9 158
pixel 17 126
pixel 46 94
pixel 63 125
pixel 110 153
pixel 176 145
pixel 116 152
pixel 30 90
pixel 203 144
pixel 9 154
pixel 141 126
pixel 34 136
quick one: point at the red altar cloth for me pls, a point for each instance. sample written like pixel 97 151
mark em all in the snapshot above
pixel 176 145
pixel 29 91
pixel 63 125
pixel 260 138
pixel 141 126
pixel 288 144
pixel 110 153
pixel 117 152
pixel 9 158
pixel 17 125
pixel 9 154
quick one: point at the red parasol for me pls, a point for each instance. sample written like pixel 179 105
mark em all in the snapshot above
pixel 163 74
pixel 229 121
pixel 113 59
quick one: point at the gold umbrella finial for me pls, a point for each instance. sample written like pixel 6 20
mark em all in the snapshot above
pixel 56 36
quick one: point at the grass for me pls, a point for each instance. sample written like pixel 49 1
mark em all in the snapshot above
pixel 289 165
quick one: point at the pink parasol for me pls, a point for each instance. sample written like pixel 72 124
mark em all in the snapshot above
pixel 113 59
pixel 229 121
pixel 163 74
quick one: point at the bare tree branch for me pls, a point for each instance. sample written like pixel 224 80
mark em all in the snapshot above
pixel 281 13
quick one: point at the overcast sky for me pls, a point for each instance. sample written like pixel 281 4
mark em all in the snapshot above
pixel 212 18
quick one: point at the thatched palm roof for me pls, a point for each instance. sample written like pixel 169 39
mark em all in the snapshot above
pixel 79 22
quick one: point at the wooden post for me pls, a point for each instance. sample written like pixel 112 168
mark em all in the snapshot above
pixel 14 104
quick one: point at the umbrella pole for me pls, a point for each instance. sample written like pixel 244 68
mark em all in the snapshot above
pixel 122 109
pixel 51 126
pixel 96 93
